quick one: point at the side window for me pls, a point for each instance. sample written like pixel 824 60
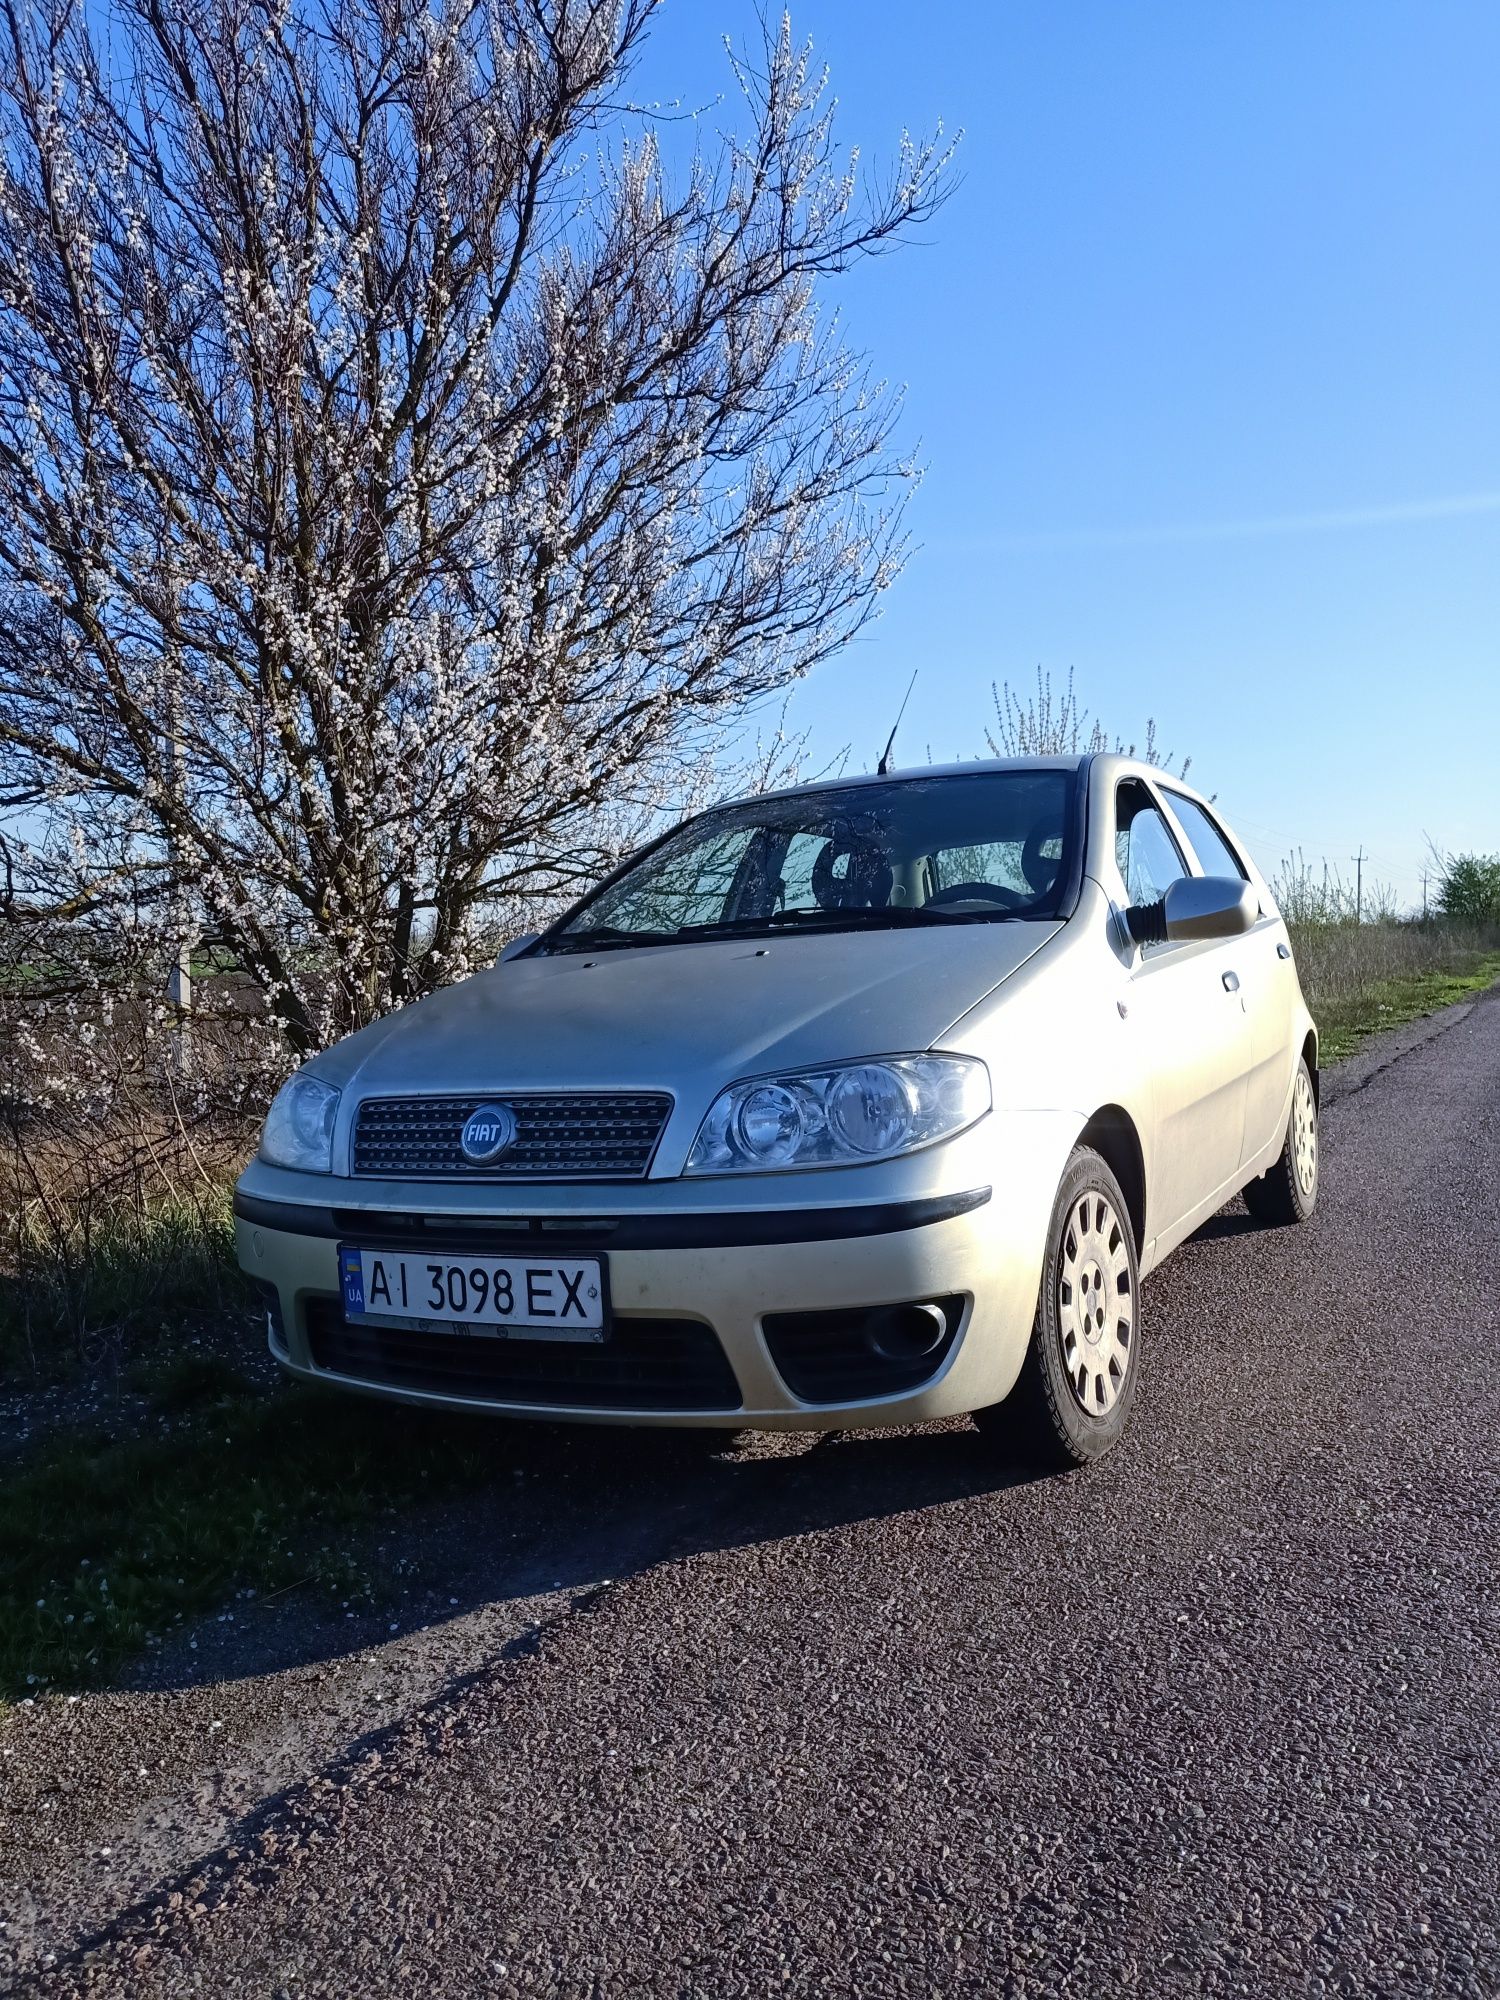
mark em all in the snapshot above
pixel 1149 858
pixel 1210 846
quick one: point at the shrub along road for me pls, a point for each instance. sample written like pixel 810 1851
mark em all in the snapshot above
pixel 875 1715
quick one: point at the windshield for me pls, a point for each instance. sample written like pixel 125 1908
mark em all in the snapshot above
pixel 977 849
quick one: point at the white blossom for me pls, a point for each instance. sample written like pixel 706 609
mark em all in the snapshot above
pixel 397 509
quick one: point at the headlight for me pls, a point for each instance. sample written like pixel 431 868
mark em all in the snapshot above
pixel 299 1126
pixel 841 1116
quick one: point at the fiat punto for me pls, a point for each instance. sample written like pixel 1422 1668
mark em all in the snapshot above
pixel 858 1104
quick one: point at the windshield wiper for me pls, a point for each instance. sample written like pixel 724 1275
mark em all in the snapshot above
pixel 895 916
pixel 606 937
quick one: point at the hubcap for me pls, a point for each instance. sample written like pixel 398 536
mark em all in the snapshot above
pixel 1095 1303
pixel 1305 1133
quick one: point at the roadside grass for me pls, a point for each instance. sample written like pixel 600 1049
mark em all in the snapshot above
pixel 74 1278
pixel 226 1494
pixel 1361 978
pixel 1345 1023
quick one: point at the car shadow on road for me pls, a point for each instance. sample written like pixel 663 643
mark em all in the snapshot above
pixel 1236 1221
pixel 571 1506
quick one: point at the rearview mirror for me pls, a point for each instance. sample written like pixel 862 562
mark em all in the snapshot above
pixel 517 945
pixel 1195 906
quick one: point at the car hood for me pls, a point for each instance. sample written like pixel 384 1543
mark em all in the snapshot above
pixel 688 1018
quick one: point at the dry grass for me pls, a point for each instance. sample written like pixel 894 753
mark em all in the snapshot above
pixel 1360 978
pixel 115 1229
pixel 80 1289
pixel 1338 962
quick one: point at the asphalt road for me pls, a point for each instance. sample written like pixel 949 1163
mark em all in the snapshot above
pixel 876 1716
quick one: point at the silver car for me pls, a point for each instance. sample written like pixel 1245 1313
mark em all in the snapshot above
pixel 858 1104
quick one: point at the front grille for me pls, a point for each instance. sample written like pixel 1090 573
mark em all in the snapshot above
pixel 825 1357
pixel 641 1364
pixel 608 1137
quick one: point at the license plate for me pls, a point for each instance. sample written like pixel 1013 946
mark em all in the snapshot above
pixel 552 1298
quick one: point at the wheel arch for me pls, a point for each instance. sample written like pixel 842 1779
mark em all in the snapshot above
pixel 1310 1057
pixel 1112 1133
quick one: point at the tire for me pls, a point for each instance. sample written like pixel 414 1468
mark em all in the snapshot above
pixel 1288 1191
pixel 1077 1385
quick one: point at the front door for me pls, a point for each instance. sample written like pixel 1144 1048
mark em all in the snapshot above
pixel 1187 1008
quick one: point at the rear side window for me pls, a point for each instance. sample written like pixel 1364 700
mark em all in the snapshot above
pixel 1210 846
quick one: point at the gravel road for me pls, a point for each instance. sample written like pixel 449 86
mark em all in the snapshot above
pixel 875 1715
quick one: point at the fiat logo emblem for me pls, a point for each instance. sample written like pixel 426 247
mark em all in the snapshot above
pixel 487 1131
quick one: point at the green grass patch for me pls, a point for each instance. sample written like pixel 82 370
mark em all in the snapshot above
pixel 1347 1020
pixel 72 1274
pixel 108 1545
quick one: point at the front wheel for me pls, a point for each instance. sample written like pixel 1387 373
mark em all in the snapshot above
pixel 1073 1398
pixel 1288 1191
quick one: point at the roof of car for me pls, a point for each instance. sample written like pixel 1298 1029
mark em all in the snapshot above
pixel 970 768
pixel 1110 765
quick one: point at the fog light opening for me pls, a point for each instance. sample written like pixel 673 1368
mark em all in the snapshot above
pixel 906 1333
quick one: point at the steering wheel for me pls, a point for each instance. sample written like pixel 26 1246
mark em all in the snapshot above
pixel 1041 870
pixel 978 892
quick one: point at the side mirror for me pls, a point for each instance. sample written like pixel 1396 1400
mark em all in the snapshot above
pixel 517 945
pixel 1196 906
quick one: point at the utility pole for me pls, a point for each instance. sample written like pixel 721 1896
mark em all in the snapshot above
pixel 1359 885
pixel 1424 895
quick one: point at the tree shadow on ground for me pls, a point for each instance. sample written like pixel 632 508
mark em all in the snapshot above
pixel 572 1510
pixel 359 1519
pixel 566 1507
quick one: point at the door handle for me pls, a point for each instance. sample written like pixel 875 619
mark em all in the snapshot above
pixel 1231 982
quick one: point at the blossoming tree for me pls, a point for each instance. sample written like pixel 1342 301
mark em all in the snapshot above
pixel 412 459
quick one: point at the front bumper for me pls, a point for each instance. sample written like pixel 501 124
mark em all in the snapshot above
pixel 674 1273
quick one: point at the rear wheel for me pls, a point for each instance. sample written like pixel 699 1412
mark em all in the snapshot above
pixel 1077 1385
pixel 1288 1191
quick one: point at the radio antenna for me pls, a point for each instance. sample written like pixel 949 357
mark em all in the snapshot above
pixel 885 761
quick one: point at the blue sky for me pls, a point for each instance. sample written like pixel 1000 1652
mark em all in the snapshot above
pixel 1203 359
